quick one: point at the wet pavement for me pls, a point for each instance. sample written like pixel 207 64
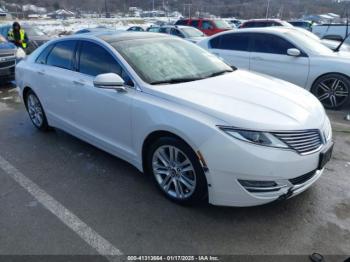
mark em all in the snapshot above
pixel 124 207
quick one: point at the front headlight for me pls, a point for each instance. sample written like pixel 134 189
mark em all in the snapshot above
pixel 327 130
pixel 20 54
pixel 255 137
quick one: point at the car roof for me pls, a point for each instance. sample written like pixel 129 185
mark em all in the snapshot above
pixel 112 37
pixel 264 20
pixel 177 26
pixel 273 30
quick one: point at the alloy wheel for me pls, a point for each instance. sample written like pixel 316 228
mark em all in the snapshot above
pixel 174 172
pixel 332 92
pixel 35 110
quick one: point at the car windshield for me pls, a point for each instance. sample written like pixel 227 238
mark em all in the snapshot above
pixel 168 60
pixel 309 43
pixel 192 32
pixel 221 24
pixel 32 31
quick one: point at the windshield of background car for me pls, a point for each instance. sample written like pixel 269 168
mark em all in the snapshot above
pixel 309 43
pixel 34 32
pixel 191 32
pixel 221 24
pixel 162 60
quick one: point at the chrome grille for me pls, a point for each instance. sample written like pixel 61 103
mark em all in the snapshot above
pixel 7 64
pixel 9 54
pixel 303 142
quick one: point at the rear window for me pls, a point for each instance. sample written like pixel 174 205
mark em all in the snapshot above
pixel 235 42
pixel 62 54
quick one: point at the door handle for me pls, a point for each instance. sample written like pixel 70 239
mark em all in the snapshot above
pixel 79 83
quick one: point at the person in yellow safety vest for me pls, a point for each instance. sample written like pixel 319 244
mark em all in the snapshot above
pixel 18 36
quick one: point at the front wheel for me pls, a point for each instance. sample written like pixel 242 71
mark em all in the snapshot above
pixel 36 111
pixel 177 171
pixel 333 91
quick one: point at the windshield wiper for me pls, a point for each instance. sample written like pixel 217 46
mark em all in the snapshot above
pixel 219 73
pixel 341 43
pixel 176 80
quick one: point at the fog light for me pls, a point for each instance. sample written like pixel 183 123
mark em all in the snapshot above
pixel 257 184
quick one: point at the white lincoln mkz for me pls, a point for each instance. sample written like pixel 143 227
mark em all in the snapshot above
pixel 202 130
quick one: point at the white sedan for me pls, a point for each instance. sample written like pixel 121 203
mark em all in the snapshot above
pixel 288 54
pixel 201 129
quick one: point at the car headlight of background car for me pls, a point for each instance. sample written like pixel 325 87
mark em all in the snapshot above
pixel 20 54
pixel 255 137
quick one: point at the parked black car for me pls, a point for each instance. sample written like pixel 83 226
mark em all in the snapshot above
pixel 36 36
pixel 9 54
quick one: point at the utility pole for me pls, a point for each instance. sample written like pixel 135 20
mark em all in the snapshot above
pixel 189 9
pixel 267 9
pixel 106 9
pixel 152 5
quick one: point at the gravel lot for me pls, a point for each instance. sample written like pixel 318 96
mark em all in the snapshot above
pixel 124 208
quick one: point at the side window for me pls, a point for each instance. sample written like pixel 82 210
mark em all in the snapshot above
pixel 62 54
pixel 215 42
pixel 272 44
pixel 207 25
pixel 176 33
pixel 95 60
pixel 181 22
pixel 236 42
pixel 164 30
pixel 41 59
pixel 194 23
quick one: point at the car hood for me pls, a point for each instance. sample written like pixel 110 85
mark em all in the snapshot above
pixel 330 43
pixel 248 100
pixel 7 46
pixel 196 39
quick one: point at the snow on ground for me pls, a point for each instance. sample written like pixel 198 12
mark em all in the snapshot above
pixel 54 27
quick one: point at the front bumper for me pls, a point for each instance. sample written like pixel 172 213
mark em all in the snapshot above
pixel 237 160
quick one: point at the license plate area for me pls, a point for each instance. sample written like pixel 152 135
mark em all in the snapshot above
pixel 325 157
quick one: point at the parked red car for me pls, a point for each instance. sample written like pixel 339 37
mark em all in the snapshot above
pixel 207 26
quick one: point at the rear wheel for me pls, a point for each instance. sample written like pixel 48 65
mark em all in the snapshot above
pixel 333 90
pixel 177 171
pixel 36 111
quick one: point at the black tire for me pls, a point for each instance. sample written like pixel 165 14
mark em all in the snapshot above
pixel 333 91
pixel 42 125
pixel 201 187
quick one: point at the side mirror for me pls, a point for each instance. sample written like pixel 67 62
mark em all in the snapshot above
pixel 293 52
pixel 109 81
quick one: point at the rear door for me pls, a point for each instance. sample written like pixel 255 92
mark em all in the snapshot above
pixel 54 77
pixel 269 56
pixel 233 48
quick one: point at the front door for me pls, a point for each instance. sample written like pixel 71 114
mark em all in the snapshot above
pixel 269 56
pixel 103 115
